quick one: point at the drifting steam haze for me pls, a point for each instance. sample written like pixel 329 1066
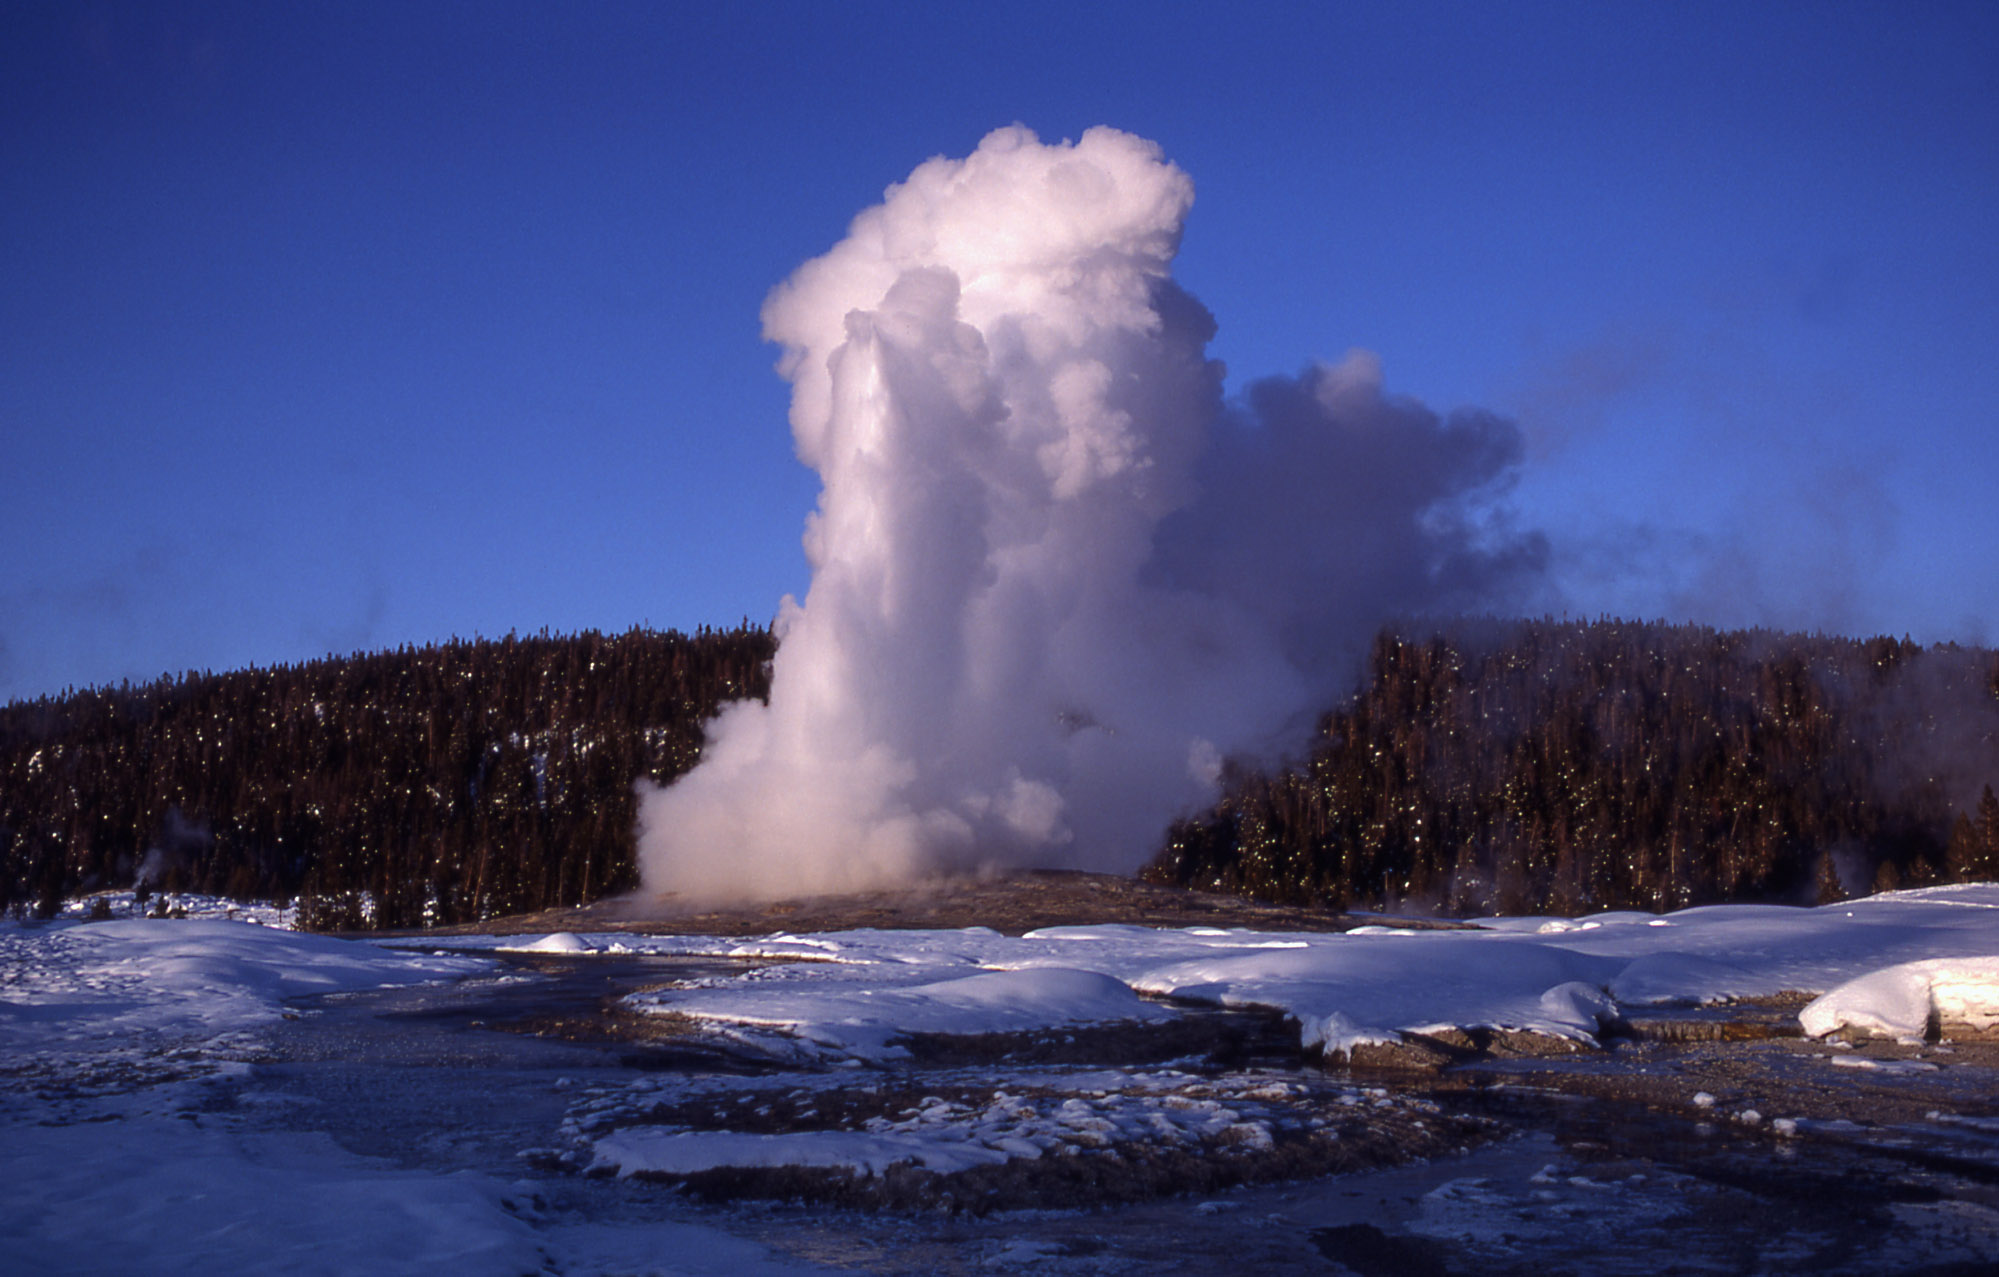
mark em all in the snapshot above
pixel 1056 578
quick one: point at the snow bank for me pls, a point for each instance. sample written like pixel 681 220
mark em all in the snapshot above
pixel 560 942
pixel 1891 962
pixel 862 1014
pixel 1353 989
pixel 1567 978
pixel 1904 1001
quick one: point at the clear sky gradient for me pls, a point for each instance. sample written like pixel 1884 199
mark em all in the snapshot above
pixel 333 327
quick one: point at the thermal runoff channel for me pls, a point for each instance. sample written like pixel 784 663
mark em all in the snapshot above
pixel 1057 576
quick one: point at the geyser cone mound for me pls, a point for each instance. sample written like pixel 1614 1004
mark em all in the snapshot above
pixel 1012 903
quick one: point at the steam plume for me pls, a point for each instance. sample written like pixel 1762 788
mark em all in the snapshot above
pixel 1055 577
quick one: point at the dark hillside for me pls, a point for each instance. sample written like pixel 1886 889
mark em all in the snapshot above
pixel 1564 767
pixel 447 782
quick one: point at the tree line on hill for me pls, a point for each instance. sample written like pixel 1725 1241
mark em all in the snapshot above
pixel 439 784
pixel 1534 766
pixel 1565 767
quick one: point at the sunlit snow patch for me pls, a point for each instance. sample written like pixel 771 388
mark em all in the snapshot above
pixel 560 942
pixel 1905 1001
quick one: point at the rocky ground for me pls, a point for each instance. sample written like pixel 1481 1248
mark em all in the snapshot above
pixel 1736 1083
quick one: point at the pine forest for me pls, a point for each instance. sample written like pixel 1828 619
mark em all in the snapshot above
pixel 1513 767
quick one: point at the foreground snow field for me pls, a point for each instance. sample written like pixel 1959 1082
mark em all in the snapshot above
pixel 115 1036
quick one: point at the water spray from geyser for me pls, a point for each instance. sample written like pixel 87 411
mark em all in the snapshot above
pixel 1056 577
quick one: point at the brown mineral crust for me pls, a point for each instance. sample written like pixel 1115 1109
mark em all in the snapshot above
pixel 1011 903
pixel 1775 1077
pixel 1443 1048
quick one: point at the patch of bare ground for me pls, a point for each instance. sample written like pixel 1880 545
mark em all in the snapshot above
pixel 1218 1040
pixel 1756 1076
pixel 1429 1053
pixel 1734 1094
pixel 1011 903
pixel 1214 1039
pixel 653 1042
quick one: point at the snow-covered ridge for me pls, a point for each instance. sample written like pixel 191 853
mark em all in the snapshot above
pixel 1567 978
pixel 1891 964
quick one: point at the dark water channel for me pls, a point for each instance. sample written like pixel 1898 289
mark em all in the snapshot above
pixel 454 1076
pixel 466 1076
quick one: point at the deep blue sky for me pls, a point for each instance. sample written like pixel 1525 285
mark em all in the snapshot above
pixel 326 327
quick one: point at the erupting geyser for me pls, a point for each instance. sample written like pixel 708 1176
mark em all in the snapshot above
pixel 1055 577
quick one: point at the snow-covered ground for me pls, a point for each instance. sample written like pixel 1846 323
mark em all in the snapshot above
pixel 111 1034
pixel 110 1031
pixel 152 982
pixel 851 994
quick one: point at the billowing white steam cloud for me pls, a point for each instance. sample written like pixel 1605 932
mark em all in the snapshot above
pixel 1055 578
